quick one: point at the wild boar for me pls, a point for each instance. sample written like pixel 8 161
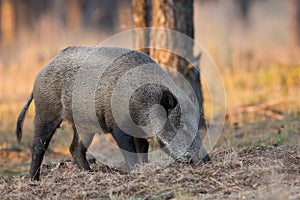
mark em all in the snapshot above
pixel 54 95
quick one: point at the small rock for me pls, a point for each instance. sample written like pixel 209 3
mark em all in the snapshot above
pixel 164 196
pixel 227 192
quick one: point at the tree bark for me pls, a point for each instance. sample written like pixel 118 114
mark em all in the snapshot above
pixel 176 15
pixel 141 12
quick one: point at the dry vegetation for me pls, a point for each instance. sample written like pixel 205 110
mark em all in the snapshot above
pixel 264 172
pixel 256 157
pixel 255 161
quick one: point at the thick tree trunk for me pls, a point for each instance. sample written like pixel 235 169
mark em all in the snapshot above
pixel 141 12
pixel 176 15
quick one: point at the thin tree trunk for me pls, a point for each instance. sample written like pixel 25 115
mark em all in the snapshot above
pixel 141 12
pixel 124 15
pixel 176 15
pixel 295 24
pixel 74 14
pixel 244 6
pixel 7 22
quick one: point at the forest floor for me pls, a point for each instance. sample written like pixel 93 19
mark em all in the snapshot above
pixel 264 172
pixel 253 161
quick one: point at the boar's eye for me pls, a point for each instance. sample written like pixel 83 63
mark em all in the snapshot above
pixel 168 101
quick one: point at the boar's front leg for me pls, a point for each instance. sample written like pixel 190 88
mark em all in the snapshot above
pixel 127 147
pixel 142 147
pixel 78 149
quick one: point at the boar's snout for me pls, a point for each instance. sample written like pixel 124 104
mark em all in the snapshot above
pixel 200 157
pixel 199 154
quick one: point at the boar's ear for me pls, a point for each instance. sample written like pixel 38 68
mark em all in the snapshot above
pixel 168 100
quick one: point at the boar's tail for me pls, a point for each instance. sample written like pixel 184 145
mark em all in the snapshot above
pixel 21 118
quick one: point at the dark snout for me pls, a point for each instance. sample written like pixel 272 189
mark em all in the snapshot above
pixel 196 157
pixel 196 160
pixel 199 158
pixel 206 159
pixel 199 153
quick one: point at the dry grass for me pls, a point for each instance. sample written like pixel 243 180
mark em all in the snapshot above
pixel 252 173
pixel 254 161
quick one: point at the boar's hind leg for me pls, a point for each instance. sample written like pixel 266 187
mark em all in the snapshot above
pixel 43 132
pixel 142 147
pixel 127 146
pixel 78 150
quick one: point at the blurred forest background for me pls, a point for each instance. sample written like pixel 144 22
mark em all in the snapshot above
pixel 255 44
